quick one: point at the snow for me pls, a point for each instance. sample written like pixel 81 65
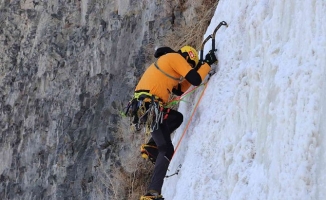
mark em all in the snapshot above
pixel 259 130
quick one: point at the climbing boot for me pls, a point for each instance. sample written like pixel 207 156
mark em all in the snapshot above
pixel 149 151
pixel 152 195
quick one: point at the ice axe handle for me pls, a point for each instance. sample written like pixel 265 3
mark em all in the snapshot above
pixel 222 23
pixel 202 47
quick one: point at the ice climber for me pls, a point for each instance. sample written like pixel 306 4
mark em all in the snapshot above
pixel 172 72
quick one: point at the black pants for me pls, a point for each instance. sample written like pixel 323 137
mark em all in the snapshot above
pixel 162 139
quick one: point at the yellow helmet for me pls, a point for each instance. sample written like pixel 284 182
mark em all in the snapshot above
pixel 190 54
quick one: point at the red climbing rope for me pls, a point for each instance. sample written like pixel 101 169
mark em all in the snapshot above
pixel 190 119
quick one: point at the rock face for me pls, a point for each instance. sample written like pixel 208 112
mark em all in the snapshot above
pixel 68 67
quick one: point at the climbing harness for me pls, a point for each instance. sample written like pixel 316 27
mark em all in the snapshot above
pixel 145 110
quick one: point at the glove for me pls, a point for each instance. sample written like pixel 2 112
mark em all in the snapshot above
pixel 177 91
pixel 210 58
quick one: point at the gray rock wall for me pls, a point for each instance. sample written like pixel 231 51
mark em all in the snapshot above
pixel 67 69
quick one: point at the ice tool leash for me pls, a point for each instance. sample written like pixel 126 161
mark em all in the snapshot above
pixel 212 36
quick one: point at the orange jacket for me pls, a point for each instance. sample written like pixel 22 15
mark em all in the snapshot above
pixel 159 84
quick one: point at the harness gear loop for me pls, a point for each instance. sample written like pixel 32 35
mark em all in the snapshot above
pixel 145 111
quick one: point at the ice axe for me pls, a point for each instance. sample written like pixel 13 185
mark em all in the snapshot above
pixel 211 36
